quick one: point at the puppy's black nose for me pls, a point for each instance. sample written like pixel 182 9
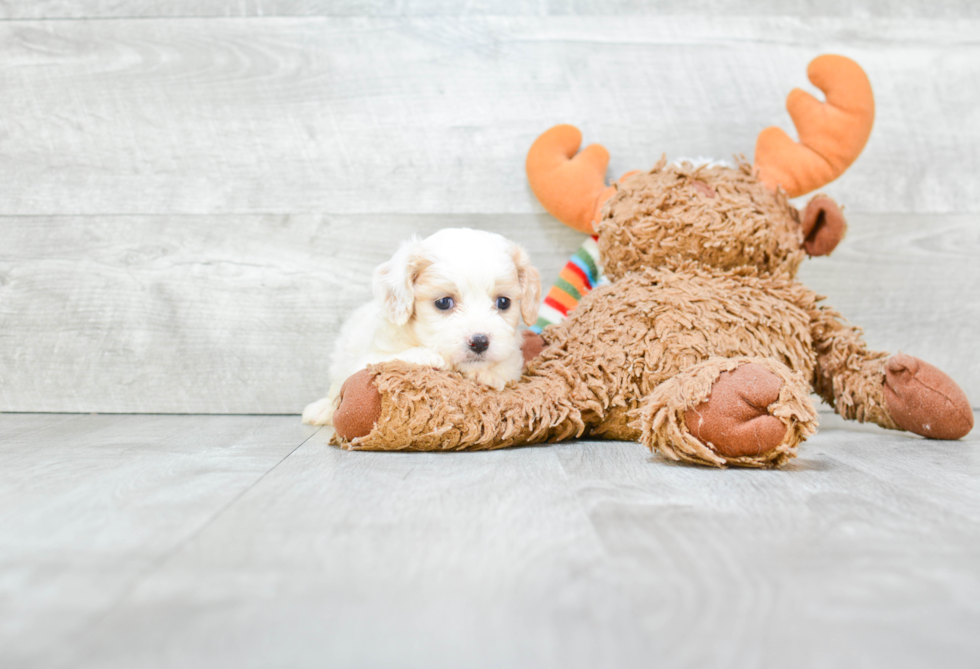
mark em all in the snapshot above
pixel 479 343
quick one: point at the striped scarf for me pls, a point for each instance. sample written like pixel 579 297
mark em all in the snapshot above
pixel 580 275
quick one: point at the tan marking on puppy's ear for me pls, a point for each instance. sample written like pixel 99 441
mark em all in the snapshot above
pixel 530 282
pixel 394 281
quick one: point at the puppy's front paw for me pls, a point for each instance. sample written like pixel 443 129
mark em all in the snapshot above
pixel 424 357
pixel 320 412
pixel 489 377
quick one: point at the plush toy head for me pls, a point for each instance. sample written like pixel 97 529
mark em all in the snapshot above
pixel 720 216
pixel 724 217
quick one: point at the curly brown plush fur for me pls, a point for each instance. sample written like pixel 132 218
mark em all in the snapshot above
pixel 702 262
pixel 721 217
pixel 704 346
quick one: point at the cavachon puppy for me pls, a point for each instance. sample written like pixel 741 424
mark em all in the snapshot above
pixel 452 301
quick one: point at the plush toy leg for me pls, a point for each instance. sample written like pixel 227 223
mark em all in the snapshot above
pixel 924 400
pixel 397 406
pixel 897 392
pixel 745 412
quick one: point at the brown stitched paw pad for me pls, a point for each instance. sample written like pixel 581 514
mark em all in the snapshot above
pixel 924 400
pixel 532 346
pixel 360 406
pixel 735 418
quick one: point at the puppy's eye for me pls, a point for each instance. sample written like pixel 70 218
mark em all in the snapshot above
pixel 503 303
pixel 445 303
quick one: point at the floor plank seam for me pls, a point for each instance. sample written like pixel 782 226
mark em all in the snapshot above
pixel 85 629
pixel 580 503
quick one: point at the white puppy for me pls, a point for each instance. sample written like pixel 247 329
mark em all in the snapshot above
pixel 451 301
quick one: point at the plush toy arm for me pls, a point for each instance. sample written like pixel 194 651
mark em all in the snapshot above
pixel 397 407
pixel 580 275
pixel 898 392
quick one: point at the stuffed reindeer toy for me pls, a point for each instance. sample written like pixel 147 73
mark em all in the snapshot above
pixel 703 345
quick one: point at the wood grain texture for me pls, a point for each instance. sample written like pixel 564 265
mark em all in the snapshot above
pixel 847 559
pixel 238 314
pixel 198 314
pixel 910 283
pixel 863 552
pixel 434 114
pixel 91 504
pixel 192 197
pixel 87 9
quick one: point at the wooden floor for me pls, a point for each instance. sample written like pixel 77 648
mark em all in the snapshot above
pixel 221 541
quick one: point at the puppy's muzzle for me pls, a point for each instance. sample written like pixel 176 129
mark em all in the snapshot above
pixel 479 343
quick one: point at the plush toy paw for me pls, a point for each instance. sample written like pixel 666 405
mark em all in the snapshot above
pixel 532 346
pixel 735 418
pixel 924 400
pixel 360 406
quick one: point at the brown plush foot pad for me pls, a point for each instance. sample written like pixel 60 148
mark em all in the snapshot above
pixel 532 346
pixel 360 406
pixel 924 400
pixel 735 418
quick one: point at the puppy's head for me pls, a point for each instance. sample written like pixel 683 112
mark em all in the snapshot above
pixel 462 293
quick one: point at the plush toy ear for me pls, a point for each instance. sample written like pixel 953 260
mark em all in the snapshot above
pixel 823 226
pixel 530 281
pixel 394 281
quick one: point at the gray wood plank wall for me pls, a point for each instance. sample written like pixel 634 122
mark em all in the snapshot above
pixel 192 195
pixel 86 9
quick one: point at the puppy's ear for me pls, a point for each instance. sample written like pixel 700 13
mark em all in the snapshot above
pixel 530 282
pixel 394 281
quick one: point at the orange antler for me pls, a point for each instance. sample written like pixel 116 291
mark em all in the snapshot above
pixel 832 134
pixel 571 187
